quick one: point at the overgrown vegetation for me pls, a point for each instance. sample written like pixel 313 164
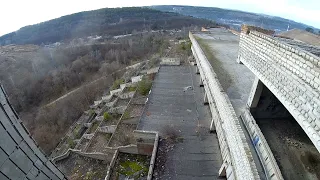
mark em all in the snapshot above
pixel 144 86
pixel 116 84
pixel 106 116
pixel 132 166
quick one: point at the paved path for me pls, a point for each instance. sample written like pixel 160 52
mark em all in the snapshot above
pixel 198 155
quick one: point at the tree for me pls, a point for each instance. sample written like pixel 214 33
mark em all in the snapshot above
pixel 309 29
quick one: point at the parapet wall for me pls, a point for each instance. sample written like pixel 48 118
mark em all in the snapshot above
pixel 235 150
pixel 290 73
pixel 20 157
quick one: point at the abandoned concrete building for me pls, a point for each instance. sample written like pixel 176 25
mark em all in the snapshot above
pixel 245 106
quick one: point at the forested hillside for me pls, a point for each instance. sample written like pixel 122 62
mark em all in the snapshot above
pixel 34 75
pixel 235 18
pixel 107 21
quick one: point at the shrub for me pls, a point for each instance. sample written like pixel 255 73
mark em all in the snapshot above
pixel 106 116
pixel 71 143
pixel 144 86
pixel 116 84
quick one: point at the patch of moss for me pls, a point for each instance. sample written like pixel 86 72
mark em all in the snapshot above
pixel 106 116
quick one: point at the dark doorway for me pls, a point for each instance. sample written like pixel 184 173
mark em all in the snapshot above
pixel 296 155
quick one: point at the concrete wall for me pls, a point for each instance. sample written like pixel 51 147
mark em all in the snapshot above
pixel 20 157
pixel 264 152
pixel 170 61
pixel 290 73
pixel 107 129
pixel 235 151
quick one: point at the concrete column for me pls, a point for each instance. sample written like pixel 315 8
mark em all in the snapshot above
pixel 223 170
pixel 201 81
pixel 255 93
pixel 239 59
pixel 197 70
pixel 205 99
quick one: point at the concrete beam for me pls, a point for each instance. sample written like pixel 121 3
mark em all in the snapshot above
pixel 255 93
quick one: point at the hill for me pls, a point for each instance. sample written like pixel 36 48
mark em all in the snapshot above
pixel 234 18
pixel 303 36
pixel 107 21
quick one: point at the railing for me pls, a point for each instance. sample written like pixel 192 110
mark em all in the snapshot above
pixel 235 152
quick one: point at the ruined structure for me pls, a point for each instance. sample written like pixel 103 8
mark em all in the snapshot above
pixel 290 70
pixel 286 85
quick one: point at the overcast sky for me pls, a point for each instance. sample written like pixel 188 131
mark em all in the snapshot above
pixel 15 14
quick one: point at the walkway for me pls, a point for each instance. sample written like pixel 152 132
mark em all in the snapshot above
pixel 196 154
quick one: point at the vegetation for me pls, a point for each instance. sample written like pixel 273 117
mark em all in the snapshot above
pixel 132 88
pixel 71 143
pixel 133 166
pixel 107 21
pixel 106 116
pixel 116 84
pixel 309 29
pixel 126 115
pixel 51 86
pixel 144 86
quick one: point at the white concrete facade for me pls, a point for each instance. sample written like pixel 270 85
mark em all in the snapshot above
pixel 290 73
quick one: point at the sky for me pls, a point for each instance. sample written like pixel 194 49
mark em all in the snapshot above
pixel 15 14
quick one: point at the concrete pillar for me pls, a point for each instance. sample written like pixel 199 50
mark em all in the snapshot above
pixel 201 81
pixel 255 93
pixel 212 126
pixel 223 170
pixel 239 59
pixel 205 99
pixel 197 70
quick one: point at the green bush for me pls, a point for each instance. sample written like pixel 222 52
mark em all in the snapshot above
pixel 71 143
pixel 116 84
pixel 144 86
pixel 106 116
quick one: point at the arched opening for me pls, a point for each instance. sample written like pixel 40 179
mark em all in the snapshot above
pixel 294 152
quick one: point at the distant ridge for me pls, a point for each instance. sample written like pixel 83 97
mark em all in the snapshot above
pixel 302 35
pixel 234 18
pixel 107 21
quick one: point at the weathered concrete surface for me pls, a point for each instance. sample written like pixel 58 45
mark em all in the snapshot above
pixel 290 72
pixel 197 155
pixel 235 79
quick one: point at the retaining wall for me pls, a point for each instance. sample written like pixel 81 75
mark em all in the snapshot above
pixel 290 73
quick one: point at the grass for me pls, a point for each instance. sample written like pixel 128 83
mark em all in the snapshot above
pixel 94 127
pixel 76 131
pixel 116 84
pixel 223 76
pixel 106 116
pixel 134 167
pixel 131 89
pixel 126 115
pixel 71 143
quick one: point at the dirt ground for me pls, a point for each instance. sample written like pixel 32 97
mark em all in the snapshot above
pixel 295 154
pixel 77 167
pixel 99 142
